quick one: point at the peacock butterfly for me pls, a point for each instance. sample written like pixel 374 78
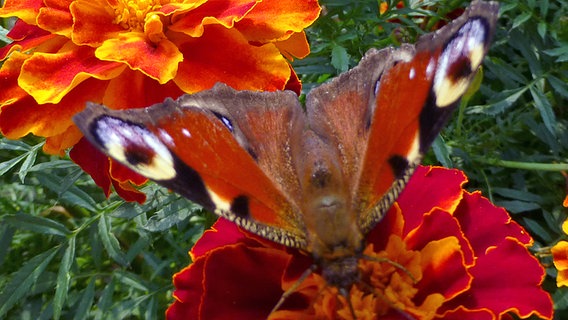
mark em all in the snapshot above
pixel 318 180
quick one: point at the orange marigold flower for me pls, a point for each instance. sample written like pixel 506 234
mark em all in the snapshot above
pixel 440 252
pixel 560 259
pixel 131 54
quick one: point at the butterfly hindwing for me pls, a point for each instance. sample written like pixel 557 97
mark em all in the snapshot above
pixel 199 149
pixel 414 101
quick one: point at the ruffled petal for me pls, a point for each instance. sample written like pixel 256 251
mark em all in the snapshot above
pixel 206 63
pixel 436 188
pixel 224 13
pixel 49 77
pixel 478 218
pixel 27 10
pixel 499 287
pixel 90 16
pixel 157 61
pixel 277 20
pixel 26 116
pixel 437 225
pixel 444 270
pixel 296 46
pixel 560 257
pixel 55 17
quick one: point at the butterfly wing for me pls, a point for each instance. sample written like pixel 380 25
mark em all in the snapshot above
pixel 221 148
pixel 415 99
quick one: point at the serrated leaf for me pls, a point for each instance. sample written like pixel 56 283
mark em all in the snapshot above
pixel 85 302
pixel 545 109
pixel 69 193
pixel 559 86
pixel 20 284
pixel 507 99
pixel 27 164
pixel 441 152
pixel 63 278
pixel 110 243
pixel 340 58
pixel 105 301
pixel 37 224
pixel 131 280
pixel 9 164
pixel 520 19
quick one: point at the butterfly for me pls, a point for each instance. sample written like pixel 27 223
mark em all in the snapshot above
pixel 317 180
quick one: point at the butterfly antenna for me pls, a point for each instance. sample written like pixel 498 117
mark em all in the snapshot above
pixel 294 287
pixel 347 297
pixel 392 263
pixel 382 296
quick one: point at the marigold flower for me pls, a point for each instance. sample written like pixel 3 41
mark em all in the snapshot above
pixel 131 54
pixel 457 246
pixel 560 259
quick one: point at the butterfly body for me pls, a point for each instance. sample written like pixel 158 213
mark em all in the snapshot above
pixel 317 180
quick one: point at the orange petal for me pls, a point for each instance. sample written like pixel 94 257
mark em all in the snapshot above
pixel 444 270
pixel 295 46
pixel 26 116
pixel 560 255
pixel 223 55
pixel 49 77
pixel 26 10
pixel 225 13
pixel 158 61
pixel 277 20
pixel 9 73
pixel 132 89
pixel 59 143
pixel 93 23
pixel 27 37
pixel 55 17
pixel 565 226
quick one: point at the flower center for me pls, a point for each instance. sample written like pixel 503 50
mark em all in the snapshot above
pixel 131 15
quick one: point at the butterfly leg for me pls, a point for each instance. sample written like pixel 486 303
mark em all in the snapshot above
pixel 294 287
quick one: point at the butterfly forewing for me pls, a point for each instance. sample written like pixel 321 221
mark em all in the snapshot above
pixel 414 101
pixel 191 150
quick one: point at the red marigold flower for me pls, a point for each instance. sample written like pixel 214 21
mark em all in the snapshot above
pixel 458 247
pixel 131 54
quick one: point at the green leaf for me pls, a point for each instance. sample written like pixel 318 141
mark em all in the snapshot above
pixel 110 242
pixel 86 301
pixel 520 19
pixel 37 224
pixel 340 58
pixel 20 284
pixel 105 301
pixel 6 235
pixel 545 109
pixel 441 152
pixel 561 87
pixel 63 278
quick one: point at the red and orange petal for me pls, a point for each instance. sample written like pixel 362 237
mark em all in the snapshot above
pixel 27 10
pixel 560 258
pixel 205 64
pixel 261 24
pixel 455 273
